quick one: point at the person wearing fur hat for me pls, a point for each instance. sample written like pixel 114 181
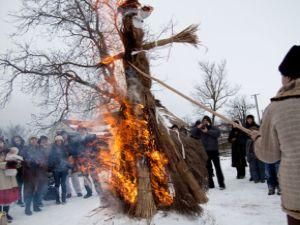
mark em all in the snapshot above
pixel 278 137
pixel 59 165
pixel 9 191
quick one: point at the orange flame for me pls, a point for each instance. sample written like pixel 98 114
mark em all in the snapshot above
pixel 110 59
pixel 132 142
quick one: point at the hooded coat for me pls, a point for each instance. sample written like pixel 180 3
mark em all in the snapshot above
pixel 280 140
pixel 238 147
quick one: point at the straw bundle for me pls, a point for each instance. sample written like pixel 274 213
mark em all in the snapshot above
pixel 145 206
pixel 187 36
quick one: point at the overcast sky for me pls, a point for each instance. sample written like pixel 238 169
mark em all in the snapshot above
pixel 252 35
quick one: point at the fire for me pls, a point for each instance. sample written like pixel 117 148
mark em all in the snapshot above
pixel 132 144
pixel 158 162
pixel 110 59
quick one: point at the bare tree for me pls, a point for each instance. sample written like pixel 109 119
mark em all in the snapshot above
pixel 69 78
pixel 13 130
pixel 239 107
pixel 213 89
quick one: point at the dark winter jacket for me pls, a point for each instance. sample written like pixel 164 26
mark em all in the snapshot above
pixel 209 139
pixel 35 161
pixel 238 147
pixel 58 159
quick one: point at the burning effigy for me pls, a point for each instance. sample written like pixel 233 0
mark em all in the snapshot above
pixel 150 166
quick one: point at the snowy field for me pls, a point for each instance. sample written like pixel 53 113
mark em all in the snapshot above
pixel 242 203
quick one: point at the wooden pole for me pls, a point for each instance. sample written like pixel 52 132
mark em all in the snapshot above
pixel 225 119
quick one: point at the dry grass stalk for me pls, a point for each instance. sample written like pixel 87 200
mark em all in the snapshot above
pixel 187 36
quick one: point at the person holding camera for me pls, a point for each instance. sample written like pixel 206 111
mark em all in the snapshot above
pixel 209 134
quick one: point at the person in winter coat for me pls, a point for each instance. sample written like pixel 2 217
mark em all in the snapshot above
pixel 18 142
pixel 73 173
pixel 209 137
pixel 59 165
pixel 13 160
pixel 83 158
pixel 238 151
pixel 34 163
pixel 9 191
pixel 278 137
pixel 44 148
pixel 256 167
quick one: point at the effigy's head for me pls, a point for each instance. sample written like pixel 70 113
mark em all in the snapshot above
pixel 134 10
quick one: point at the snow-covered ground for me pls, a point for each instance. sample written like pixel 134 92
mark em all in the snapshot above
pixel 242 203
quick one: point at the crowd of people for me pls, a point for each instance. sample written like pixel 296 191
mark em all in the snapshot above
pixel 25 169
pixel 44 170
pixel 242 151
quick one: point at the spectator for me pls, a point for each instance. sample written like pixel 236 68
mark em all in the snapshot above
pixel 73 173
pixel 9 191
pixel 209 136
pixel 44 147
pixel 256 167
pixel 18 142
pixel 238 151
pixel 34 163
pixel 58 164
pixel 278 138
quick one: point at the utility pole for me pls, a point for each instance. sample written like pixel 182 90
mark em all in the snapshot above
pixel 257 108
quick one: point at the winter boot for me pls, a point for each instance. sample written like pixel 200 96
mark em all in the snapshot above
pixel 28 212
pixel 8 217
pixel 57 197
pixel 271 191
pixel 63 200
pixel 278 191
pixel 222 187
pixel 20 203
pixel 69 195
pixel 36 208
pixel 88 191
pixel 79 195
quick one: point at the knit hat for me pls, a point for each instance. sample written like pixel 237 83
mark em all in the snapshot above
pixel 290 65
pixel 58 138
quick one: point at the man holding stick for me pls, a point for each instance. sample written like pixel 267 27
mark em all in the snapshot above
pixel 278 138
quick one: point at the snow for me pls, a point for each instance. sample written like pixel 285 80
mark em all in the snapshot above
pixel 241 203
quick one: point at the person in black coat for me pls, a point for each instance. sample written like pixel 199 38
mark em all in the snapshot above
pixel 209 135
pixel 237 139
pixel 59 165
